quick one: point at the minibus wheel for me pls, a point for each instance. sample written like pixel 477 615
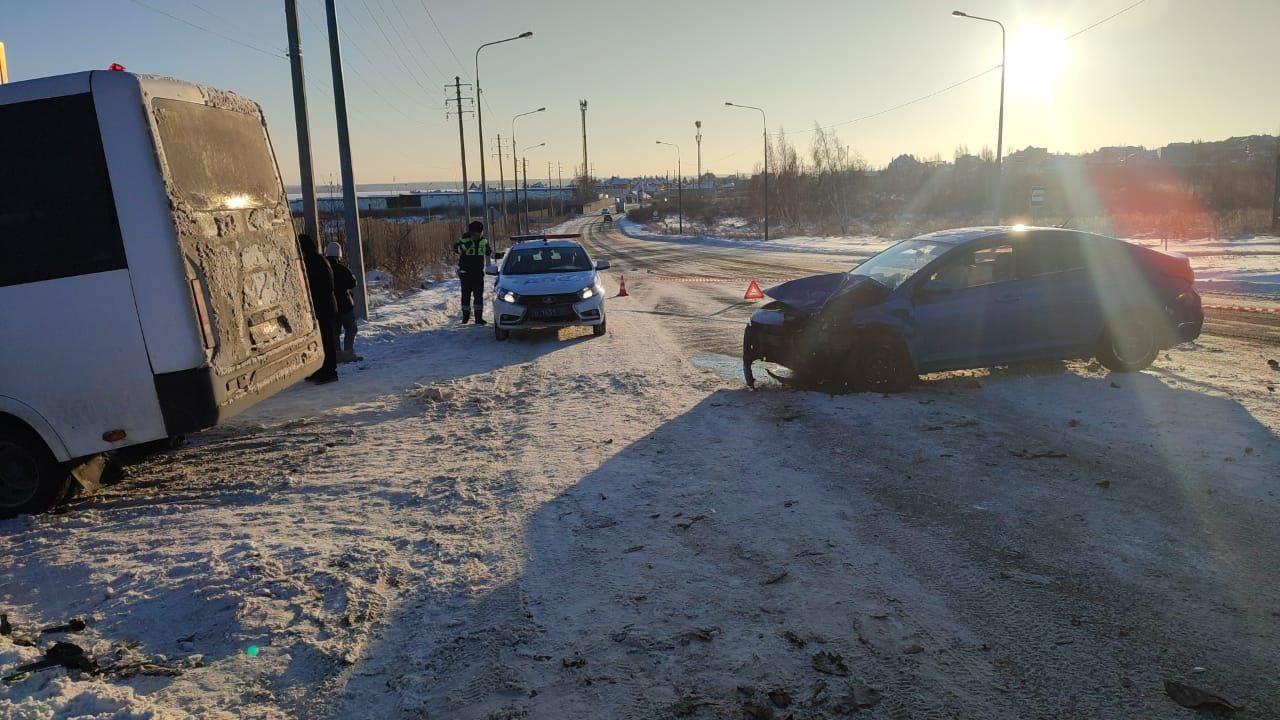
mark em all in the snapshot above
pixel 31 479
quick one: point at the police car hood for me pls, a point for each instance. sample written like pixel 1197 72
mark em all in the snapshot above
pixel 548 283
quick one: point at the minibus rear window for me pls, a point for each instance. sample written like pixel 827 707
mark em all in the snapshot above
pixel 218 159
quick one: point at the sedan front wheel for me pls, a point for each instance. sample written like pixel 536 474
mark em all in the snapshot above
pixel 883 364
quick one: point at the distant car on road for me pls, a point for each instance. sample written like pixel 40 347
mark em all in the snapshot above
pixel 975 298
pixel 547 281
pixel 607 216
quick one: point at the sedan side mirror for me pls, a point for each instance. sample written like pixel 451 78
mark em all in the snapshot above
pixel 490 269
pixel 602 264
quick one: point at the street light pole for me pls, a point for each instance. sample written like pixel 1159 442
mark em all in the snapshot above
pixel 765 120
pixel 996 197
pixel 679 184
pixel 698 137
pixel 515 170
pixel 484 184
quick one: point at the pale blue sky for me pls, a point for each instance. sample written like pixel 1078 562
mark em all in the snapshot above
pixel 1167 70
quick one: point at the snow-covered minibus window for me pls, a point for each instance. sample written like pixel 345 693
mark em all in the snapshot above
pixel 218 159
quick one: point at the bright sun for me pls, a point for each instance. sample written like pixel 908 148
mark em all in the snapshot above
pixel 1038 58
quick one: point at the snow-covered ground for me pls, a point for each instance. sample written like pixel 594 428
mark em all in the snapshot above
pixel 563 526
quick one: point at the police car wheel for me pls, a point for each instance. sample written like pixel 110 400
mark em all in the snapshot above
pixel 598 330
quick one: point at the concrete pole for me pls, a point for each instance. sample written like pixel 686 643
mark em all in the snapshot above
pixel 310 219
pixel 502 185
pixel 698 124
pixel 350 209
pixel 586 169
pixel 462 146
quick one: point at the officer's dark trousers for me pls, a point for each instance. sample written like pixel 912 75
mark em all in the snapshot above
pixel 472 294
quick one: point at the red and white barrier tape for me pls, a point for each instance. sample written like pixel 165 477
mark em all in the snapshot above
pixel 770 281
pixel 1244 308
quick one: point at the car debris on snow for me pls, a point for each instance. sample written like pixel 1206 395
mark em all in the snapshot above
pixel 830 663
pixel 1189 696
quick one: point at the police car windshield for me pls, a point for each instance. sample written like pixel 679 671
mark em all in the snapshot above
pixel 545 259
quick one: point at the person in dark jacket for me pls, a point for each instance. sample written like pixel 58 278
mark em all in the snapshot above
pixel 473 253
pixel 320 281
pixel 344 281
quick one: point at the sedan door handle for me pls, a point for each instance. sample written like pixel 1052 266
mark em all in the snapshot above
pixel 1008 298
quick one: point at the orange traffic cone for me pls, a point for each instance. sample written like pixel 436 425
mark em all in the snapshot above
pixel 622 286
pixel 753 291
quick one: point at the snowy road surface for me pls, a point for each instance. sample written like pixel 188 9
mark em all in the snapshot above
pixel 568 527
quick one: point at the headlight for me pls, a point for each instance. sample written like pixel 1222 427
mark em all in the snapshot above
pixel 587 292
pixel 507 296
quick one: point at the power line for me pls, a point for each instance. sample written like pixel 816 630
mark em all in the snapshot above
pixel 224 36
pixel 395 30
pixel 391 45
pixel 365 82
pixel 946 89
pixel 1103 20
pixel 444 39
pixel 417 40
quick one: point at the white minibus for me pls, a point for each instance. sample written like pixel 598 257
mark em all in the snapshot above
pixel 150 279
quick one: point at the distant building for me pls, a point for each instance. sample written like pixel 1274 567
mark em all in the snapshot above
pixel 1029 159
pixel 1121 155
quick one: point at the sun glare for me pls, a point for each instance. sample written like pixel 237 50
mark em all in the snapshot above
pixel 1038 58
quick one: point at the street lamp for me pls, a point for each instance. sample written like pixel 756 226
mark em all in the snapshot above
pixel 484 183
pixel 679 183
pixel 996 199
pixel 765 120
pixel 524 163
pixel 515 170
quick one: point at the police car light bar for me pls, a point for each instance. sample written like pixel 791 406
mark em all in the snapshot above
pixel 548 236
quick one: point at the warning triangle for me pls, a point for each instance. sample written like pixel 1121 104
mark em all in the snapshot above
pixel 753 291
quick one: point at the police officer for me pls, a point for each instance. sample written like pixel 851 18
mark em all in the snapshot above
pixel 473 253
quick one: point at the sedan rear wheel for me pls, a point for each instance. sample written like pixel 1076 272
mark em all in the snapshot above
pixel 1129 346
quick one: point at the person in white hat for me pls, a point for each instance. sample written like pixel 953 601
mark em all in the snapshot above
pixel 343 283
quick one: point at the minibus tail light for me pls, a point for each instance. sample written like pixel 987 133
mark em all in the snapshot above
pixel 202 312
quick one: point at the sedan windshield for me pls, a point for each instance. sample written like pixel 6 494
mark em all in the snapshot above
pixel 891 267
pixel 546 259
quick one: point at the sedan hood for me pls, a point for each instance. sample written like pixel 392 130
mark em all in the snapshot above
pixel 547 284
pixel 808 295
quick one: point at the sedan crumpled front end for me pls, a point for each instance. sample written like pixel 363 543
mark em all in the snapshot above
pixel 807 321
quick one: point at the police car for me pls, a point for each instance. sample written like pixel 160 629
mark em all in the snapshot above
pixel 547 281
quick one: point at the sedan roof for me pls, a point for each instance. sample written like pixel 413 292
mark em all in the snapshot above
pixel 957 236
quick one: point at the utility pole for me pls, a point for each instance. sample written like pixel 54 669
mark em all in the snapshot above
pixel 502 185
pixel 559 187
pixel 310 220
pixel 350 210
pixel 698 124
pixel 524 164
pixel 459 110
pixel 586 169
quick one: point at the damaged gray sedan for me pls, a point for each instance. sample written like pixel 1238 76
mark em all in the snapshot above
pixel 974 298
